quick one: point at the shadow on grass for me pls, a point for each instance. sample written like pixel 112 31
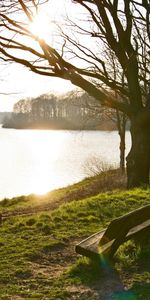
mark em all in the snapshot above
pixel 107 281
pixel 100 278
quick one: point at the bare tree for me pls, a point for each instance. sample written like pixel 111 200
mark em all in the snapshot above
pixel 118 117
pixel 119 24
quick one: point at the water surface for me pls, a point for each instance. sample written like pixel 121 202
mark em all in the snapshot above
pixel 37 161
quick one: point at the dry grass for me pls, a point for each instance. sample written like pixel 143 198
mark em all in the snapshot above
pixel 104 182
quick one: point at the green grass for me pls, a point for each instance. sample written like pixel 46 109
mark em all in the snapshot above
pixel 37 257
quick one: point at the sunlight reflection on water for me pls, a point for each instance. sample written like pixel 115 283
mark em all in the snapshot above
pixel 36 161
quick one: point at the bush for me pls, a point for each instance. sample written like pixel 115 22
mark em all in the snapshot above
pixel 95 165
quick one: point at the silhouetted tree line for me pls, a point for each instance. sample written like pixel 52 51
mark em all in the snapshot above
pixel 74 110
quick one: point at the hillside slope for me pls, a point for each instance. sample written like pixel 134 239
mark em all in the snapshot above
pixel 37 240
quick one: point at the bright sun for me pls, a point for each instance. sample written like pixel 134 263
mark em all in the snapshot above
pixel 42 27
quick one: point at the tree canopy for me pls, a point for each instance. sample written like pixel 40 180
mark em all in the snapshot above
pixel 122 26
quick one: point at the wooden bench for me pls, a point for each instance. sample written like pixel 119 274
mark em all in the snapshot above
pixel 106 242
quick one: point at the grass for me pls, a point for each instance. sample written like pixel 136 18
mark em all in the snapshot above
pixel 106 181
pixel 37 249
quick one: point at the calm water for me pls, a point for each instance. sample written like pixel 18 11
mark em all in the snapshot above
pixel 34 161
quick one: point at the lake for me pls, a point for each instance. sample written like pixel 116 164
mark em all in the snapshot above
pixel 37 161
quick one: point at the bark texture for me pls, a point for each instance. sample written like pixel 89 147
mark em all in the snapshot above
pixel 138 159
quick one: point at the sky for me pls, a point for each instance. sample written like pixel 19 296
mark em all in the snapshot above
pixel 18 82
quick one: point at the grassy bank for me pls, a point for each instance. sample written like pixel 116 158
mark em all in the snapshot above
pixel 37 240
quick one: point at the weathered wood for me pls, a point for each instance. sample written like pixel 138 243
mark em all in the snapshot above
pixel 119 228
pixel 106 242
pixel 126 222
pixel 90 246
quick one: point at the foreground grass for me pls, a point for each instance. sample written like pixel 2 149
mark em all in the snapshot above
pixel 37 250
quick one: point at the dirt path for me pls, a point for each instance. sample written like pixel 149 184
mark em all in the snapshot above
pixel 32 210
pixel 63 257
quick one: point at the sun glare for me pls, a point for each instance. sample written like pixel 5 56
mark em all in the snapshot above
pixel 44 153
pixel 42 27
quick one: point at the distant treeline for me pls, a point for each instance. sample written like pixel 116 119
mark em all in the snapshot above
pixel 74 110
pixel 4 116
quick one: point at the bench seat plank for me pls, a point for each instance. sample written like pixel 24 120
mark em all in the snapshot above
pixel 92 246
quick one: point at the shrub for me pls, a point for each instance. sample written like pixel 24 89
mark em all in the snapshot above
pixel 95 165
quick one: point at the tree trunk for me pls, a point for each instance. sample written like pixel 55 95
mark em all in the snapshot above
pixel 138 159
pixel 122 152
pixel 121 124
